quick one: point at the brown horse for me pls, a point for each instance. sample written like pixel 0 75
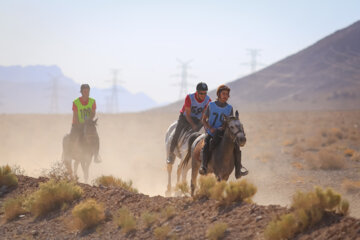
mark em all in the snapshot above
pixel 82 151
pixel 221 162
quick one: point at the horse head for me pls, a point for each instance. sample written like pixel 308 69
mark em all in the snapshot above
pixel 235 129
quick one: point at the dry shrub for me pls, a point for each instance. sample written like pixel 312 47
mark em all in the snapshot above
pixel 183 187
pixel 239 191
pixel 307 210
pixel 108 181
pixel 57 171
pixel 205 184
pixel 216 231
pixel 149 218
pixel 313 143
pixel 330 160
pixel 336 132
pixel 349 152
pixel 52 195
pixel 88 214
pixel 162 232
pixel 168 212
pixel 351 186
pixel 289 143
pixel 125 220
pixel 325 159
pixel 225 192
pixel 13 207
pixel 7 177
pixel 356 157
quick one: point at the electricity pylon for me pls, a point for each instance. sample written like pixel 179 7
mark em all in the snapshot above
pixel 184 77
pixel 254 53
pixel 54 106
pixel 114 101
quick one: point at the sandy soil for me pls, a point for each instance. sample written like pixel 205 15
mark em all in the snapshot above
pixel 132 147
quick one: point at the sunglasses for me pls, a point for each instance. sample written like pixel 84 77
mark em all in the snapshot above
pixel 202 93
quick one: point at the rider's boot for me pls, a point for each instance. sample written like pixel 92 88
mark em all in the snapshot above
pixel 238 166
pixel 204 162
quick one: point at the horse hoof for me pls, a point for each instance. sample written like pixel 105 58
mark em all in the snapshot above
pixel 168 193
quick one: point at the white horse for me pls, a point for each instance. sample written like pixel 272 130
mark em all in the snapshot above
pixel 180 152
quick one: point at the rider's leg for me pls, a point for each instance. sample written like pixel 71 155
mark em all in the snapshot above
pixel 206 155
pixel 238 166
pixel 180 125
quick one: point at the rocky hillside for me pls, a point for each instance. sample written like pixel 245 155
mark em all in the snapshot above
pixel 191 220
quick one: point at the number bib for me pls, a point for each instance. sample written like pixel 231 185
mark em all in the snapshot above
pixel 196 107
pixel 84 111
pixel 216 115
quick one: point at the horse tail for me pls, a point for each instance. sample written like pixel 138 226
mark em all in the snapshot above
pixel 191 140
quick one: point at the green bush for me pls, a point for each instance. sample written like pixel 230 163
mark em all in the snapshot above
pixel 52 195
pixel 108 181
pixel 88 214
pixel 7 177
pixel 125 220
pixel 148 218
pixel 162 232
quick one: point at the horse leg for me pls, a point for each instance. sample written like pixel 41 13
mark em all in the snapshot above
pixel 85 167
pixel 194 173
pixel 76 165
pixel 168 191
pixel 178 174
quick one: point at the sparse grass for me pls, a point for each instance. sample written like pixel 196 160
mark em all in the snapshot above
pixel 225 192
pixel 162 232
pixel 7 177
pixel 297 151
pixel 149 218
pixel 13 207
pixel 349 152
pixel 216 231
pixel 351 186
pixel 88 214
pixel 125 220
pixel 289 142
pixel 52 195
pixel 168 212
pixel 307 210
pixel 108 181
pixel 356 157
pixel 183 187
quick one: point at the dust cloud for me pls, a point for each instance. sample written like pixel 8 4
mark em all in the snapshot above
pixel 132 147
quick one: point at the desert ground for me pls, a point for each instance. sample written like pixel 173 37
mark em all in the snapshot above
pixel 285 151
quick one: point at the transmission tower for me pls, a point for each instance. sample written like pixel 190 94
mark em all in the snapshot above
pixel 254 53
pixel 54 106
pixel 184 77
pixel 114 101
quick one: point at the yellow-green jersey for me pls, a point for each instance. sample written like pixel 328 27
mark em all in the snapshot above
pixel 84 108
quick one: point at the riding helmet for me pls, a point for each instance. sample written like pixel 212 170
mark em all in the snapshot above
pixel 201 86
pixel 222 88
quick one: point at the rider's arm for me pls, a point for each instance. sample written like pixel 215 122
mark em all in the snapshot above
pixel 188 118
pixel 75 117
pixel 205 119
pixel 93 110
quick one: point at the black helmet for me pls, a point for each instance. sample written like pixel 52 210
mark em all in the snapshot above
pixel 201 86
pixel 83 86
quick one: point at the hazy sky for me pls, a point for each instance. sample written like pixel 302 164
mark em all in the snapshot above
pixel 143 39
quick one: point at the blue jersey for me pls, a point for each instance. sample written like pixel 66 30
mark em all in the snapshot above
pixel 197 107
pixel 216 115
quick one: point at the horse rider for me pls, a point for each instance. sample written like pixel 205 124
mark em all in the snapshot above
pixel 190 115
pixel 213 122
pixel 83 108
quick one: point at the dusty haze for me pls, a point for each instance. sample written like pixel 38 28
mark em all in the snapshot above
pixel 132 147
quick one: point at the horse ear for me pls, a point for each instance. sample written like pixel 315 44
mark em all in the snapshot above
pixel 225 118
pixel 237 114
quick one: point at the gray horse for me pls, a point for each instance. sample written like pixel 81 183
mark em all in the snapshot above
pixel 180 152
pixel 222 158
pixel 82 151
